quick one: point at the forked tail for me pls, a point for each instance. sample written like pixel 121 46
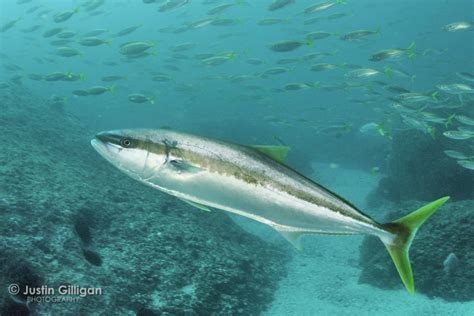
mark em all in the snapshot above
pixel 405 230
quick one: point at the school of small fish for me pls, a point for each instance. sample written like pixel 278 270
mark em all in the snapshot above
pixel 306 60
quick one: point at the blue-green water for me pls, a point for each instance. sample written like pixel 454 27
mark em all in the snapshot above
pixel 373 97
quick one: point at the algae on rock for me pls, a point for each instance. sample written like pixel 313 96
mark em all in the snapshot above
pixel 69 217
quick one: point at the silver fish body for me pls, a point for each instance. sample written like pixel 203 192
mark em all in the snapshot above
pixel 252 181
pixel 237 179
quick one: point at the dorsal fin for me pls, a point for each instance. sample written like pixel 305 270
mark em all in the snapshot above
pixel 277 153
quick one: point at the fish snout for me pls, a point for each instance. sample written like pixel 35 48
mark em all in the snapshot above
pixel 107 137
pixel 105 142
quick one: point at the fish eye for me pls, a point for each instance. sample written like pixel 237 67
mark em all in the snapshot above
pixel 125 142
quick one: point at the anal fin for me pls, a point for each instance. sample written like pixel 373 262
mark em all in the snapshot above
pixel 293 237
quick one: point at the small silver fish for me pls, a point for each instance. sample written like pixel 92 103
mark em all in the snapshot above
pixel 458 26
pixel 362 73
pixel 466 76
pixel 455 154
pixel 456 88
pixel 459 135
pixel 464 119
pixel 468 164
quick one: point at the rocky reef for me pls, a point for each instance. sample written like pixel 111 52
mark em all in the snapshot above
pixel 419 170
pixel 68 218
pixel 446 235
pixel 442 253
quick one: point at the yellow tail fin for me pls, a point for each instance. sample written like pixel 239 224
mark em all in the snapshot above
pixel 405 230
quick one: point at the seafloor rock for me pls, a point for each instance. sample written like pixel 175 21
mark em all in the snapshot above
pixel 419 169
pixel 69 218
pixel 448 231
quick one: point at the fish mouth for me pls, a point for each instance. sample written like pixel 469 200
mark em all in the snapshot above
pixel 98 145
pixel 104 144
pixel 101 148
pixel 101 143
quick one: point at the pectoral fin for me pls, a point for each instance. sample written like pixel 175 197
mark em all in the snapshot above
pixel 197 205
pixel 183 166
pixel 277 153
